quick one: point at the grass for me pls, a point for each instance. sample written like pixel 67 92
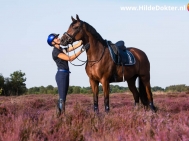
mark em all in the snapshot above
pixel 32 117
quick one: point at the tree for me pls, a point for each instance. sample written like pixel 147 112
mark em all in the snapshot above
pixel 42 90
pixel 49 89
pixel 17 80
pixel 76 90
pixel 7 87
pixel 55 90
pixel 100 89
pixel 34 90
pixel 83 90
pixel 1 90
pixel 70 89
pixel 2 81
pixel 157 88
pixel 177 88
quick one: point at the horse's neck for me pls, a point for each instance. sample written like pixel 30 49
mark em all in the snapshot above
pixel 96 49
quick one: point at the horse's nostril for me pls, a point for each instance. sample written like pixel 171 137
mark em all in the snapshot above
pixel 62 40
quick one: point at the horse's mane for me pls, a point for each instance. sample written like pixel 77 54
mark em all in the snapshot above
pixel 93 31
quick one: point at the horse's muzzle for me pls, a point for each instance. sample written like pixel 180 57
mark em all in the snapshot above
pixel 66 39
pixel 63 42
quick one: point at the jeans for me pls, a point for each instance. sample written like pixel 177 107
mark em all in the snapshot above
pixel 62 80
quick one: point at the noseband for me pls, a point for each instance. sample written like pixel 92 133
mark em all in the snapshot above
pixel 70 38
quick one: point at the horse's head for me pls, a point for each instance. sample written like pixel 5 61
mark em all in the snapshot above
pixel 74 32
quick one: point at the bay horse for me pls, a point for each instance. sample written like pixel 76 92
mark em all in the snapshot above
pixel 100 67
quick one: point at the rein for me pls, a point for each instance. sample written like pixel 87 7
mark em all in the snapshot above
pixel 99 59
pixel 78 59
pixel 96 61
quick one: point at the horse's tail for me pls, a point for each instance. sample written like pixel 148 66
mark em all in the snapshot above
pixel 142 93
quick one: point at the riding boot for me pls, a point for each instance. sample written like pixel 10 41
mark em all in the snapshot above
pixel 63 107
pixel 60 107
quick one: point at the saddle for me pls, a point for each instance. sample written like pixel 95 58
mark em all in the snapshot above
pixel 119 53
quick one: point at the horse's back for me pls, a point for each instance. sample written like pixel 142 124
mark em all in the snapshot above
pixel 139 54
pixel 140 57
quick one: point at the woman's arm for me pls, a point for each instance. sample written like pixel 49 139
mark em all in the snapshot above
pixel 69 58
pixel 70 48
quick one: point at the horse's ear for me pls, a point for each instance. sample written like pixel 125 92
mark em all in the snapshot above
pixel 77 17
pixel 73 19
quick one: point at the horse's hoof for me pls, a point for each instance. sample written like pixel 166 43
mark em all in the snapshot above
pixel 107 109
pixel 153 108
pixel 136 107
pixel 96 110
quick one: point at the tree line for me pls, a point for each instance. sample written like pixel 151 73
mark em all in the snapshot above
pixel 15 85
pixel 172 88
pixel 74 90
pixel 113 89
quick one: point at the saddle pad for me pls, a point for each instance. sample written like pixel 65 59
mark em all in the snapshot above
pixel 116 58
pixel 131 58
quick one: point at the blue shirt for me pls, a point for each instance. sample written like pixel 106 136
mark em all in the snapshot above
pixel 61 64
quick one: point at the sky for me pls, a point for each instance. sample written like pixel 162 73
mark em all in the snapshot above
pixel 162 34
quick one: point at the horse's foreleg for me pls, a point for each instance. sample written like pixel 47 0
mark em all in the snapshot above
pixel 95 89
pixel 106 90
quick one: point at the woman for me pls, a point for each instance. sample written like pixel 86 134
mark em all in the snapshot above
pixel 61 59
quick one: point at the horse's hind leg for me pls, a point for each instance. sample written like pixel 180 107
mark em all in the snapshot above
pixel 95 89
pixel 133 89
pixel 146 82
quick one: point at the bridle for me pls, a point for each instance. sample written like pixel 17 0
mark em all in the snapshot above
pixel 70 40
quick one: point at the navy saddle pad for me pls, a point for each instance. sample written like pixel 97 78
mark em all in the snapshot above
pixel 120 55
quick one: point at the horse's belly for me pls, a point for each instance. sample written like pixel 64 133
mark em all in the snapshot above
pixel 119 76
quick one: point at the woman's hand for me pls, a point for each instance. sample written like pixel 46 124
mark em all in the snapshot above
pixel 70 48
pixel 86 47
pixel 80 43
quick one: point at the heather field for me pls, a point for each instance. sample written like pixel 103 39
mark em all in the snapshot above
pixel 32 118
